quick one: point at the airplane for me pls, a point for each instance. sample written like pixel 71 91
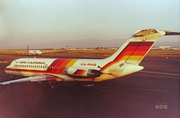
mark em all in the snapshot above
pixel 124 61
pixel 33 52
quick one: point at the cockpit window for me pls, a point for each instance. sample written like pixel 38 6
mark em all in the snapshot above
pixel 144 32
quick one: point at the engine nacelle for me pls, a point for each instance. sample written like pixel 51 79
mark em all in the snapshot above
pixel 82 72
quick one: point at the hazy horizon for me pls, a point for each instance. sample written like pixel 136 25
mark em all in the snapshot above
pixel 80 23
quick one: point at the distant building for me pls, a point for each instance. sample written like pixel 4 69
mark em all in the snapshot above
pixel 178 48
pixel 165 47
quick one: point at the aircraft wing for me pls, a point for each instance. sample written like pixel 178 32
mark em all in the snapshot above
pixel 36 79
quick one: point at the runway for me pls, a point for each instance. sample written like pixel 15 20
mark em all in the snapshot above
pixel 151 93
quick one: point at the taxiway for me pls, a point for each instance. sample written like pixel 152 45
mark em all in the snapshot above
pixel 151 93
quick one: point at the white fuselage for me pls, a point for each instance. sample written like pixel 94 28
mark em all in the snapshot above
pixel 85 69
pixel 34 52
pixel 55 67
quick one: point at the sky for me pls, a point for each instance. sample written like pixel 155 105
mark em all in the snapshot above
pixel 83 23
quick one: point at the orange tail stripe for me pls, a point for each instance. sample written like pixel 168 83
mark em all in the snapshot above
pixel 133 48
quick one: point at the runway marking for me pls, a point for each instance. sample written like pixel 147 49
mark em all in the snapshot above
pixel 142 89
pixel 3 62
pixel 162 73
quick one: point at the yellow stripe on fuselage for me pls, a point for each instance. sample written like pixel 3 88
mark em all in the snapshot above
pixel 71 62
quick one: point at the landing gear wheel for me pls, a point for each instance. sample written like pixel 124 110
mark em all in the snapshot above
pixel 52 84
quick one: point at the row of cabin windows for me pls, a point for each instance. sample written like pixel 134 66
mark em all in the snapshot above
pixel 30 66
pixel 36 66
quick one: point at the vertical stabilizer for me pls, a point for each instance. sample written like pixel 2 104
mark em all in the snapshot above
pixel 136 48
pixel 127 58
pixel 28 48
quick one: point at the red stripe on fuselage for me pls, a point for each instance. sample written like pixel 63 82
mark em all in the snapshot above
pixel 57 65
pixel 52 65
pixel 79 72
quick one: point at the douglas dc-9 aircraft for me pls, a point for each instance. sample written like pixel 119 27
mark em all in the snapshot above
pixel 123 62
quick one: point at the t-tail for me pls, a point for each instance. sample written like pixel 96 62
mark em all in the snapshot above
pixel 127 58
pixel 28 48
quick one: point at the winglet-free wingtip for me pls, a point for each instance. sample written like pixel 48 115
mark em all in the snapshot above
pixel 4 83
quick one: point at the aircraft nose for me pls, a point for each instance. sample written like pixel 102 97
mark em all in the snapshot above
pixel 7 69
